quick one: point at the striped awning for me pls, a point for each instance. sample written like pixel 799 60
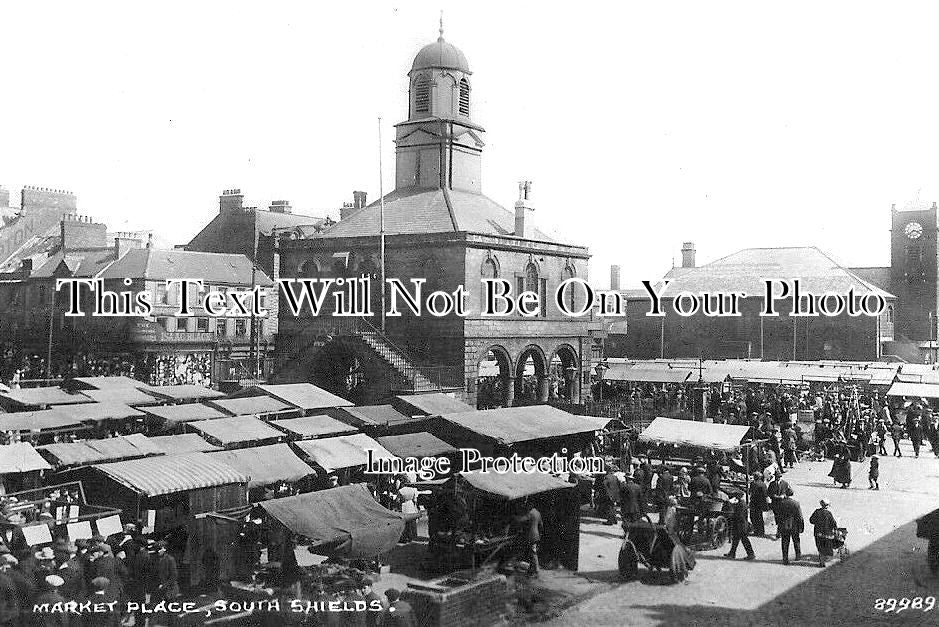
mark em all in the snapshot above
pixel 154 476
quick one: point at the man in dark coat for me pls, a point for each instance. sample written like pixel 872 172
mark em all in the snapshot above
pixel 632 504
pixel 825 527
pixel 166 573
pixel 777 489
pixel 896 432
pixel 738 529
pixel 700 483
pixel 106 566
pixel 663 485
pixel 790 524
pixel 758 504
pixel 611 488
pixel 916 435
pixel 100 594
pixel 71 571
pixel 9 597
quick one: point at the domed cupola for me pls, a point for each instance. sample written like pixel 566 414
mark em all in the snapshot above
pixel 439 82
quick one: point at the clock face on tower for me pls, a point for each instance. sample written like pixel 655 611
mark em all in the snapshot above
pixel 913 230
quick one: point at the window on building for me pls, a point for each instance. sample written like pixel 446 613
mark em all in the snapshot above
pixel 241 327
pixel 168 324
pixel 202 325
pixel 422 95
pixel 221 328
pixel 569 273
pixel 488 270
pixel 531 283
pixel 464 97
pixel 162 295
pixel 890 313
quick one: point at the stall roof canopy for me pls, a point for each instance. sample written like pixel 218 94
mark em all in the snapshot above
pixel 127 396
pixel 433 404
pixel 265 464
pixel 37 421
pixel 188 392
pixel 35 397
pixel 919 390
pixel 302 395
pixel 692 433
pixel 103 383
pixel 345 451
pixel 95 412
pixel 513 485
pixel 522 424
pixel 185 443
pixel 347 519
pixel 186 412
pixel 154 476
pixel 313 426
pixel 416 445
pixel 100 451
pixel 641 374
pixel 20 457
pixel 236 430
pixel 372 415
pixel 249 406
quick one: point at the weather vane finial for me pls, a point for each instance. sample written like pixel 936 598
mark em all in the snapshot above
pixel 441 23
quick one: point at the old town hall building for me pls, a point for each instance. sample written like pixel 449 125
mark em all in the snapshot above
pixel 440 226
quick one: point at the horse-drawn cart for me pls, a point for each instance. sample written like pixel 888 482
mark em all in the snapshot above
pixel 656 547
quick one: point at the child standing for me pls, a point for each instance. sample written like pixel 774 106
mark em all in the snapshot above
pixel 874 473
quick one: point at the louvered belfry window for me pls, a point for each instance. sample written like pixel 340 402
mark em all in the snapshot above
pixel 422 95
pixel 464 97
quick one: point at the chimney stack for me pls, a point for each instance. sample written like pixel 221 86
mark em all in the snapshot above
pixel 687 255
pixel 521 206
pixel 124 242
pixel 358 200
pixel 614 278
pixel 347 209
pixel 231 200
pixel 280 206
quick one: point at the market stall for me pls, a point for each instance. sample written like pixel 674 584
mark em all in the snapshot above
pixel 104 383
pixel 20 467
pixel 105 418
pixel 261 406
pixel 312 427
pixel 344 521
pixel 186 393
pixel 236 432
pixel 64 455
pixel 30 399
pixel 473 519
pixel 171 418
pixel 304 396
pixel 344 456
pixel 433 404
pixel 38 427
pixel 273 469
pixel 183 443
pixel 125 395
pixel 376 420
pixel 914 390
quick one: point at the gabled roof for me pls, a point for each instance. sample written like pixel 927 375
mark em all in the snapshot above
pixel 747 269
pixel 212 268
pixel 265 223
pixel 81 263
pixel 420 210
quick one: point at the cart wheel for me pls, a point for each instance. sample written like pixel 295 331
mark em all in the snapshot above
pixel 719 532
pixel 628 561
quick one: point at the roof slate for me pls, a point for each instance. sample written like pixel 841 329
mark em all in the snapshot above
pixel 148 263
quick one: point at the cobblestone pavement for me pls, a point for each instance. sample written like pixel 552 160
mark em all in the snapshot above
pixel 886 561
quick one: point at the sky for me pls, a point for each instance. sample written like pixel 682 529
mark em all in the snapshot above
pixel 641 125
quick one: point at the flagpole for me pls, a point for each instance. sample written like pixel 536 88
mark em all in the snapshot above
pixel 381 228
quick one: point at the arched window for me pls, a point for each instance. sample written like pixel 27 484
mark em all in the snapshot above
pixel 421 95
pixel 464 97
pixel 488 270
pixel 531 278
pixel 890 313
pixel 570 273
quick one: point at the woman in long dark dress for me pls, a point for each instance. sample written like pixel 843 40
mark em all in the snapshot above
pixel 841 468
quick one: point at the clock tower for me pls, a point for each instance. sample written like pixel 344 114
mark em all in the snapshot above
pixel 914 271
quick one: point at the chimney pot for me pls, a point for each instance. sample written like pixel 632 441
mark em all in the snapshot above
pixel 614 277
pixel 521 206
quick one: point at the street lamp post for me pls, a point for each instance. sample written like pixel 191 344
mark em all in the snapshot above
pixel 601 369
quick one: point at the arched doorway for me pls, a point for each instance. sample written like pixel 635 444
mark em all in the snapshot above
pixel 335 368
pixel 494 379
pixel 531 377
pixel 564 374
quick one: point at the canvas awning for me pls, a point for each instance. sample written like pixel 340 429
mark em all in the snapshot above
pixel 237 430
pixel 919 390
pixel 692 433
pixel 302 395
pixel 37 421
pixel 127 396
pixel 155 476
pixel 250 406
pixel 20 457
pixel 184 443
pixel 371 415
pixel 96 412
pixel 648 374
pixel 345 451
pixel 99 451
pixel 522 424
pixel 312 426
pixel 39 397
pixel 512 485
pixel 103 383
pixel 343 521
pixel 266 464
pixel 187 412
pixel 433 404
pixel 188 392
pixel 416 445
